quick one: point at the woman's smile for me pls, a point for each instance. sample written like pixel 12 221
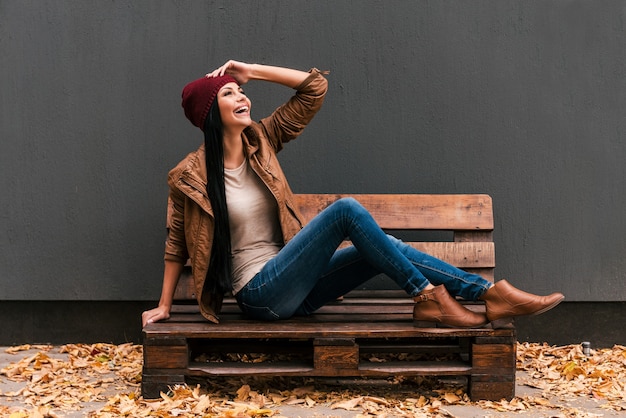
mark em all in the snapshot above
pixel 234 106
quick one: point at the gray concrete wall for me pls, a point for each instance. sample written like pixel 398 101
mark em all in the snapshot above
pixel 523 100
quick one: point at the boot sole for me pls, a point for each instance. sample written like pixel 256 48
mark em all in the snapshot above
pixel 547 308
pixel 431 324
pixel 502 323
pixel 539 312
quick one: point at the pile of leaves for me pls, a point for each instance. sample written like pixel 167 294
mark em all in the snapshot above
pixel 88 374
pixel 58 380
pixel 565 373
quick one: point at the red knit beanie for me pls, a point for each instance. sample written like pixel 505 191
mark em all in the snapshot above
pixel 198 96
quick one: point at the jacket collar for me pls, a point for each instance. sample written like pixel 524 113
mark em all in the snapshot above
pixel 250 140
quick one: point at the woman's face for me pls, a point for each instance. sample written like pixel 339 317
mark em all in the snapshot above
pixel 234 106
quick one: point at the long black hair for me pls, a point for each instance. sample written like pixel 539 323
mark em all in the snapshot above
pixel 220 264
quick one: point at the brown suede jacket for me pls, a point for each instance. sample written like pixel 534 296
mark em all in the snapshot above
pixel 191 219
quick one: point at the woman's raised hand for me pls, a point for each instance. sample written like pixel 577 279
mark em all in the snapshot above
pixel 243 72
pixel 240 71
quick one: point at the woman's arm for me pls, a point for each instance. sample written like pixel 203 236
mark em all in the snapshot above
pixel 170 280
pixel 243 72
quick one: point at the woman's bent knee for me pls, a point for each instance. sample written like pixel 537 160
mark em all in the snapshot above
pixel 350 206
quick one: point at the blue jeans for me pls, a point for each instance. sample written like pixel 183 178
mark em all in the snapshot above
pixel 309 271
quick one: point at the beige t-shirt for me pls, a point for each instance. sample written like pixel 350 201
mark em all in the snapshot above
pixel 254 227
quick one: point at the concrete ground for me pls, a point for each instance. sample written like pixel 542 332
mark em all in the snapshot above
pixel 569 406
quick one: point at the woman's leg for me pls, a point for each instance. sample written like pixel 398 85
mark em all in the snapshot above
pixel 280 288
pixel 348 269
pixel 458 282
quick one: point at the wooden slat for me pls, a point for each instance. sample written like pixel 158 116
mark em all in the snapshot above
pixel 164 356
pixel 336 356
pixel 308 329
pixel 408 348
pixel 461 254
pixel 410 211
pixel 473 236
pixel 292 368
pixel 303 369
pixel 493 358
pixel 449 368
pixel 485 387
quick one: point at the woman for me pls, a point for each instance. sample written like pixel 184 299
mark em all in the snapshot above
pixel 233 216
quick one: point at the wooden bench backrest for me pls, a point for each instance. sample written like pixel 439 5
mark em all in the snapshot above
pixel 469 218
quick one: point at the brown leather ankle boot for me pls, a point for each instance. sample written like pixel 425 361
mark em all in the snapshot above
pixel 504 301
pixel 438 306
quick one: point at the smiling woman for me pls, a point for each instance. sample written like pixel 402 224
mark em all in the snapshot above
pixel 233 216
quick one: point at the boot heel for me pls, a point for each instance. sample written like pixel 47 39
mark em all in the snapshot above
pixel 437 307
pixel 502 323
pixel 424 324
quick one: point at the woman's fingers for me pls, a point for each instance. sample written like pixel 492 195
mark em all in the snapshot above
pixel 153 315
pixel 220 71
pixel 238 70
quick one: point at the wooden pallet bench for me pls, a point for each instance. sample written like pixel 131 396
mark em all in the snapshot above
pixel 367 334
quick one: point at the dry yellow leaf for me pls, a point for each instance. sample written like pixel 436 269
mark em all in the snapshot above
pixel 304 390
pixel 349 405
pixel 451 398
pixel 203 405
pixel 243 393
